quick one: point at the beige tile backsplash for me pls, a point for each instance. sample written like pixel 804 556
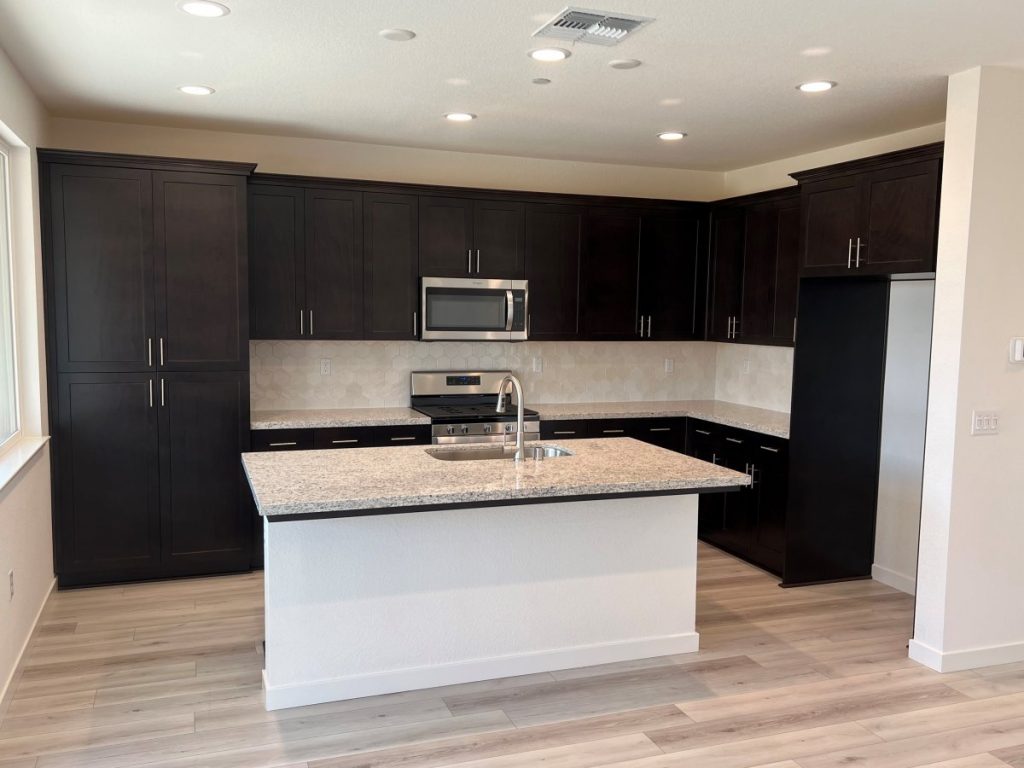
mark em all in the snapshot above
pixel 369 374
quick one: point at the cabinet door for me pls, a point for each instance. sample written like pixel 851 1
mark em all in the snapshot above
pixel 446 237
pixel 668 276
pixel 770 483
pixel 740 515
pixel 499 231
pixel 205 512
pixel 664 433
pixel 902 220
pixel 334 264
pixel 787 278
pixel 608 279
pixel 704 442
pixel 107 513
pixel 553 240
pixel 727 236
pixel 101 235
pixel 389 267
pixel 757 313
pixel 831 224
pixel 202 304
pixel 277 264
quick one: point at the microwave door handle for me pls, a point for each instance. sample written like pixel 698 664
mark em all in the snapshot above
pixel 510 307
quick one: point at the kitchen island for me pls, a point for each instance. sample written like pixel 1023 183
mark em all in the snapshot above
pixel 388 569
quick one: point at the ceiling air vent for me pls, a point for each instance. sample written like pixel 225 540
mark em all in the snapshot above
pixel 582 25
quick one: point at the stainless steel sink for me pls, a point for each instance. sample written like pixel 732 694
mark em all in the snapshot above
pixel 533 453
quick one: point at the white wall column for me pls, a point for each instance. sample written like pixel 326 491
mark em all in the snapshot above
pixel 970 598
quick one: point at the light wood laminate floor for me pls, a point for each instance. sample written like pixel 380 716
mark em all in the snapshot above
pixel 168 674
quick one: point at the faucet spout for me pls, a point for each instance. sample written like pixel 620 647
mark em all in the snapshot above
pixel 520 411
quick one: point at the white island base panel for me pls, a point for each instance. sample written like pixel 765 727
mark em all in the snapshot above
pixel 361 606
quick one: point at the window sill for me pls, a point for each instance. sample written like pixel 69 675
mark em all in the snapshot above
pixel 14 459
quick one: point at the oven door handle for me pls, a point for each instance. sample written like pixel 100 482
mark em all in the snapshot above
pixel 510 313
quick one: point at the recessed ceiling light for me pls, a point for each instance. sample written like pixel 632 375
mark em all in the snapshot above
pixel 196 90
pixel 397 35
pixel 818 50
pixel 817 86
pixel 540 81
pixel 671 135
pixel 460 117
pixel 550 54
pixel 671 102
pixel 624 63
pixel 207 9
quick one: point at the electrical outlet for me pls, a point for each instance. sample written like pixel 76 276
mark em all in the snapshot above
pixel 538 365
pixel 10 578
pixel 325 366
pixel 746 366
pixel 670 365
pixel 985 423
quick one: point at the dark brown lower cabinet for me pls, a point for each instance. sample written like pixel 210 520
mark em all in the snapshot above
pixel 148 476
pixel 749 523
pixel 667 433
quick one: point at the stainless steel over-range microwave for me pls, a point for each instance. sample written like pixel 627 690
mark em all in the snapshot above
pixel 473 309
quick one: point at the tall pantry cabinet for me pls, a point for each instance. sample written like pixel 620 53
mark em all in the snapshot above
pixel 146 273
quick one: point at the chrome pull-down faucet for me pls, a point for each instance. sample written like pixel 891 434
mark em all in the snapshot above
pixel 520 411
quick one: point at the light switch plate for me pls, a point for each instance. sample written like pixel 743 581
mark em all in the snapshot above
pixel 670 365
pixel 985 423
pixel 325 366
pixel 1017 350
pixel 538 365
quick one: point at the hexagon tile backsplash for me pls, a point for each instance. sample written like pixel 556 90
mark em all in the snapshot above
pixel 373 374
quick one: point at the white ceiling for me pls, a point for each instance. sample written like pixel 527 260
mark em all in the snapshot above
pixel 724 71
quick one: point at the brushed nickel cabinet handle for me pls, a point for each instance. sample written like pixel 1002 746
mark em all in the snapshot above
pixel 478 261
pixel 149 351
pixel 150 393
pixel 734 440
pixel 849 253
pixel 469 261
pixel 282 445
pixel 612 431
pixel 702 432
pixel 770 450
pixel 415 325
pixel 660 429
pixel 344 442
pixel 302 323
pixel 401 439
pixel 162 401
pixel 161 350
pixel 311 322
pixel 564 432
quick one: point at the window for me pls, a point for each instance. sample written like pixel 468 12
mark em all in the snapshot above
pixel 8 375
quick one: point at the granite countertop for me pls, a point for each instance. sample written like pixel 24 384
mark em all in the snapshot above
pixel 761 420
pixel 336 417
pixel 360 479
pixel 775 423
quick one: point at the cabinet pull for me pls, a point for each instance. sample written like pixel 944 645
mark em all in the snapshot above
pixel 752 471
pixel 702 432
pixel 794 330
pixel 469 261
pixel 612 431
pixel 415 325
pixel 478 261
pixel 564 432
pixel 858 253
pixel 734 440
pixel 311 322
pixel 714 458
pixel 344 442
pixel 161 350
pixel 302 323
pixel 849 253
pixel 641 326
pixel 660 429
pixel 149 351
pixel 150 393
pixel 281 445
pixel 736 327
pixel 770 450
pixel 401 439
pixel 162 401
pixel 648 326
pixel 528 319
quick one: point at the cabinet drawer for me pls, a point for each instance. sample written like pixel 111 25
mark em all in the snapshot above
pixel 612 428
pixel 666 433
pixel 569 429
pixel 413 434
pixel 341 437
pixel 282 439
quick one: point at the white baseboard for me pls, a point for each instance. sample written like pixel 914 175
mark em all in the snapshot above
pixel 4 690
pixel 392 681
pixel 894 579
pixel 971 658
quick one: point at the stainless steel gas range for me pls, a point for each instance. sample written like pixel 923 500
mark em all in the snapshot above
pixel 462 406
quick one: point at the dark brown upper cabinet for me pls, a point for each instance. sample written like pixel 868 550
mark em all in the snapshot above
pixel 202 273
pixel 608 277
pixel 876 216
pixel 390 282
pixel 670 272
pixel 553 246
pixel 101 240
pixel 307 255
pixel 728 230
pixel 754 277
pixel 471 238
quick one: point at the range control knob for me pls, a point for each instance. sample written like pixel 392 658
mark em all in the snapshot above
pixel 510 427
pixel 464 429
pixel 450 430
pixel 487 429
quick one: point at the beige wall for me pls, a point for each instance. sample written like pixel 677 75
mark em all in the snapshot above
pixel 25 544
pixel 342 159
pixel 970 579
pixel 774 175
